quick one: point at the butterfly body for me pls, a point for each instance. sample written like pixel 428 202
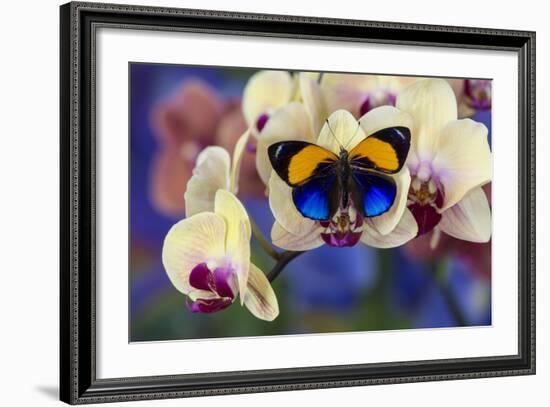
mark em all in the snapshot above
pixel 343 172
pixel 323 182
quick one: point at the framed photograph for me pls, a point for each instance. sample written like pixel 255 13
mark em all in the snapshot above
pixel 256 203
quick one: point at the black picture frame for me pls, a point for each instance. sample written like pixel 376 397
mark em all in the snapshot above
pixel 78 382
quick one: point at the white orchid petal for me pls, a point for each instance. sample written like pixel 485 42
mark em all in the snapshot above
pixel 383 117
pixel 238 233
pixel 463 159
pixel 405 230
pixel 289 241
pixel 190 242
pixel 344 131
pixel 313 101
pixel 290 122
pixel 265 91
pixel 469 219
pixel 387 222
pixel 284 210
pixel 432 104
pixel 260 299
pixel 236 162
pixel 210 174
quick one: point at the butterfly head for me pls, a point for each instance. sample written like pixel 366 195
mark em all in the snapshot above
pixel 342 147
pixel 344 154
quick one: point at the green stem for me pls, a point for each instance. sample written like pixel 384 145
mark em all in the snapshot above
pixel 263 241
pixel 284 259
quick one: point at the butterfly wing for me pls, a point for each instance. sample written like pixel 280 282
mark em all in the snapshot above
pixel 311 171
pixel 296 162
pixel 384 151
pixel 373 193
pixel 318 198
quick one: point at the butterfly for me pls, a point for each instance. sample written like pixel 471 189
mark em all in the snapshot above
pixel 322 182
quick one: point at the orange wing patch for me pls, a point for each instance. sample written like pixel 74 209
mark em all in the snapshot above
pixel 381 153
pixel 303 164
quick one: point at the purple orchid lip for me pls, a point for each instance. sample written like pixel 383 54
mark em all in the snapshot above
pixel 426 217
pixel 479 93
pixel 388 98
pixel 217 282
pixel 342 232
pixel 424 208
pixel 392 98
pixel 339 239
pixel 200 277
pixel 261 122
pixel 209 306
pixel 365 106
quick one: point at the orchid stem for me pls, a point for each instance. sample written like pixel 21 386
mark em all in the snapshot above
pixel 284 259
pixel 263 241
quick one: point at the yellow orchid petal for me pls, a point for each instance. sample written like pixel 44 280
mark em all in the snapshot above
pixel 342 130
pixel 190 242
pixel 383 117
pixel 289 241
pixel 469 219
pixel 264 92
pixel 463 160
pixel 238 233
pixel 406 230
pixel 210 174
pixel 290 122
pixel 236 162
pixel 284 210
pixel 313 101
pixel 347 91
pixel 395 83
pixel 432 104
pixel 388 221
pixel 260 299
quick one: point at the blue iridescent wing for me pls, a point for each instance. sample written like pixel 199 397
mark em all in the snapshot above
pixel 318 198
pixel 311 172
pixel 372 192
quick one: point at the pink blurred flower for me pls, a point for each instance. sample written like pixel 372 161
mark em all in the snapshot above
pixel 184 124
pixel 231 126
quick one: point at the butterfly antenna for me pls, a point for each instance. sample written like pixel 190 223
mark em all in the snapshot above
pixel 354 134
pixel 333 135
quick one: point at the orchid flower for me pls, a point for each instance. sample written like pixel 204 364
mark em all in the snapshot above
pixel 449 161
pixel 359 94
pixel 194 117
pixel 295 120
pixel 207 258
pixel 478 93
pixel 292 231
pixel 472 95
pixel 207 255
pixel 264 92
pixel 214 170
